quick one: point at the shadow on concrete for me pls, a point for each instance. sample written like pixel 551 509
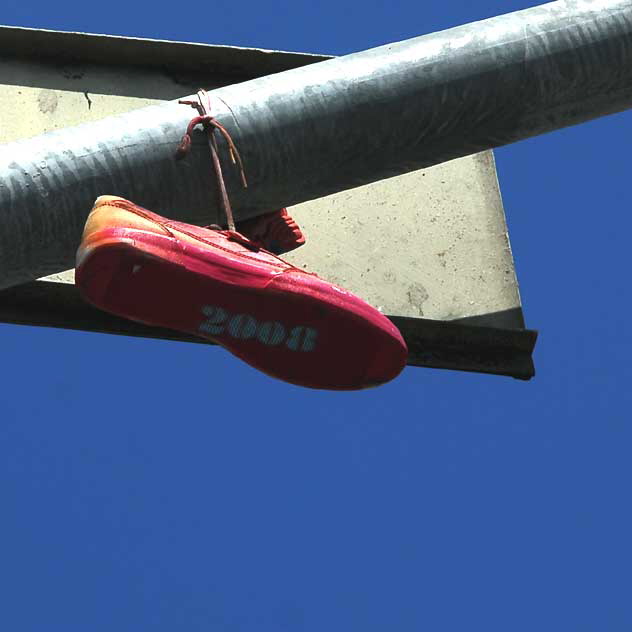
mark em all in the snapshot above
pixel 74 57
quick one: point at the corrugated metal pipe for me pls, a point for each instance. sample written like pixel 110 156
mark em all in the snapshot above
pixel 319 129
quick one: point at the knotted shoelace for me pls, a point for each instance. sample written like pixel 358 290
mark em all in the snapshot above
pixel 210 124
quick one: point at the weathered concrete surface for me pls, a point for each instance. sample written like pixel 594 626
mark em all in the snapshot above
pixel 432 243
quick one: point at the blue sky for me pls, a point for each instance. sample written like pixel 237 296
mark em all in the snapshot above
pixel 153 485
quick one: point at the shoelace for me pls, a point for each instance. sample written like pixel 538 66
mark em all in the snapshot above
pixel 203 106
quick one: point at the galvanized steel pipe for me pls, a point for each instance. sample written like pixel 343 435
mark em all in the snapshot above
pixel 320 129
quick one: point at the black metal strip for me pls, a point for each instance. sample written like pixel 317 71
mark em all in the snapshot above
pixel 431 343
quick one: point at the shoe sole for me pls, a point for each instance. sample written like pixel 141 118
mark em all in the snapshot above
pixel 294 327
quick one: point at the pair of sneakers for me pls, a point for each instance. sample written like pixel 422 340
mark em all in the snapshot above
pixel 232 288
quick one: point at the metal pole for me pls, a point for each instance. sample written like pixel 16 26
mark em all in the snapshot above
pixel 320 129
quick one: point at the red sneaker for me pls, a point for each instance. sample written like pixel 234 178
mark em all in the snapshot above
pixel 276 231
pixel 216 284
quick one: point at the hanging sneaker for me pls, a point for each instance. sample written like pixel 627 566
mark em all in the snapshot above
pixel 276 231
pixel 217 284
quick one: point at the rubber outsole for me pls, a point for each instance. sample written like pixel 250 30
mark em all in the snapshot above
pixel 291 327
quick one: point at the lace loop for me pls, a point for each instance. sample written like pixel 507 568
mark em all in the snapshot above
pixel 203 106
